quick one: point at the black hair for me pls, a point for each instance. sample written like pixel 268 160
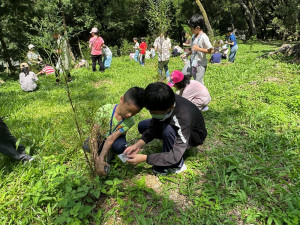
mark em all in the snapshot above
pixel 195 21
pixel 158 96
pixel 135 95
pixel 182 84
pixel 143 39
pixel 217 49
pixel 228 30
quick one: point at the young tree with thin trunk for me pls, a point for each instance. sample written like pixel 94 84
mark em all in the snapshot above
pixel 207 24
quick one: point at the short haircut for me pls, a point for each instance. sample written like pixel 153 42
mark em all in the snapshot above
pixel 216 49
pixel 135 38
pixel 183 83
pixel 228 30
pixel 158 96
pixel 143 39
pixel 196 20
pixel 135 95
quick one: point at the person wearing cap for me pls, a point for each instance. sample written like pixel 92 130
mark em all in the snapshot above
pixel 192 90
pixel 33 57
pixel 9 147
pixel 95 45
pixel 27 78
pixel 176 121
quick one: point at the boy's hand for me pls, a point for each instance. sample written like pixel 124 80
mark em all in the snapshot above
pixel 136 158
pixel 196 48
pixel 131 150
pixel 102 168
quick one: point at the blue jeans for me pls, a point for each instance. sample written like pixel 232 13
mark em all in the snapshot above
pixel 107 61
pixel 136 55
pixel 163 65
pixel 167 134
pixel 117 147
pixel 232 54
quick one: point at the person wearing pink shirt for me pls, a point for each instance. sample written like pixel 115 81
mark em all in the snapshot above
pixel 95 45
pixel 192 90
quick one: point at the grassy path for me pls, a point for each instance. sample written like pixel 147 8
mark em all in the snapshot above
pixel 247 172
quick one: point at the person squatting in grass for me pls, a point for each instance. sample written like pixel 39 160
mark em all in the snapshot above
pixel 200 47
pixel 95 45
pixel 8 145
pixel 216 56
pixel 113 121
pixel 231 40
pixel 175 120
pixel 27 78
pixel 191 90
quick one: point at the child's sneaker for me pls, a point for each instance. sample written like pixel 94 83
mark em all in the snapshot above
pixel 160 171
pixel 180 170
pixel 205 109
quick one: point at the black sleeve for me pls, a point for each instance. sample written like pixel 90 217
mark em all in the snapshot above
pixel 151 132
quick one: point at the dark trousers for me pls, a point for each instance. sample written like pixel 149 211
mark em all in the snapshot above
pixel 8 144
pixel 117 147
pixel 98 58
pixel 57 75
pixel 167 134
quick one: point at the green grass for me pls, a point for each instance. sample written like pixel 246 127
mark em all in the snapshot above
pixel 247 171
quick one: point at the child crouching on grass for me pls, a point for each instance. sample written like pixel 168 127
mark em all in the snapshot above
pixel 113 121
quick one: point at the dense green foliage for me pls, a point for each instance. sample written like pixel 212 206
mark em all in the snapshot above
pixel 246 172
pixel 34 21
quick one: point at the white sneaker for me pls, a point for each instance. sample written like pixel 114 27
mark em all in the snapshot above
pixel 180 170
pixel 205 109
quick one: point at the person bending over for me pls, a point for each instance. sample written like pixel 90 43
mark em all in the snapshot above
pixel 175 120
pixel 112 122
pixel 192 90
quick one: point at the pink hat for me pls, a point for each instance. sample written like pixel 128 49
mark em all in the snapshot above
pixel 176 76
pixel 94 30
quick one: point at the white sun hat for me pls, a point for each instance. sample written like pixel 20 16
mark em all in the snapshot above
pixel 31 46
pixel 94 30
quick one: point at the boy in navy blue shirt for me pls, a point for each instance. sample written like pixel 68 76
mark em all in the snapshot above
pixel 232 42
pixel 216 57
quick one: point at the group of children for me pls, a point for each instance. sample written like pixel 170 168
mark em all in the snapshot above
pixel 176 119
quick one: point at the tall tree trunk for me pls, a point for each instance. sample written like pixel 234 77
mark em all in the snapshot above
pixel 261 19
pixel 6 54
pixel 210 31
pixel 249 17
pixel 65 31
pixel 79 45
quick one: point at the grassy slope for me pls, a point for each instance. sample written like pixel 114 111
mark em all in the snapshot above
pixel 246 172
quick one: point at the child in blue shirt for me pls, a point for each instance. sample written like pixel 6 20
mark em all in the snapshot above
pixel 232 42
pixel 216 57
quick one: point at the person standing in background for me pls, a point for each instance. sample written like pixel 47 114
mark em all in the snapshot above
pixel 162 45
pixel 95 45
pixel 231 40
pixel 136 49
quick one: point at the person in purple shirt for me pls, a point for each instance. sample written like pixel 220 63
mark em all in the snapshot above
pixel 216 57
pixel 231 40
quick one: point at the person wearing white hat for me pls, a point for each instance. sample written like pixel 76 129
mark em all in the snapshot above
pixel 33 57
pixel 27 78
pixel 95 44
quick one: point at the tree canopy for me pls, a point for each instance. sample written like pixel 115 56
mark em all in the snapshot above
pixel 34 21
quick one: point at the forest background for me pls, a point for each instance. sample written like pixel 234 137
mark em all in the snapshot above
pixel 34 21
